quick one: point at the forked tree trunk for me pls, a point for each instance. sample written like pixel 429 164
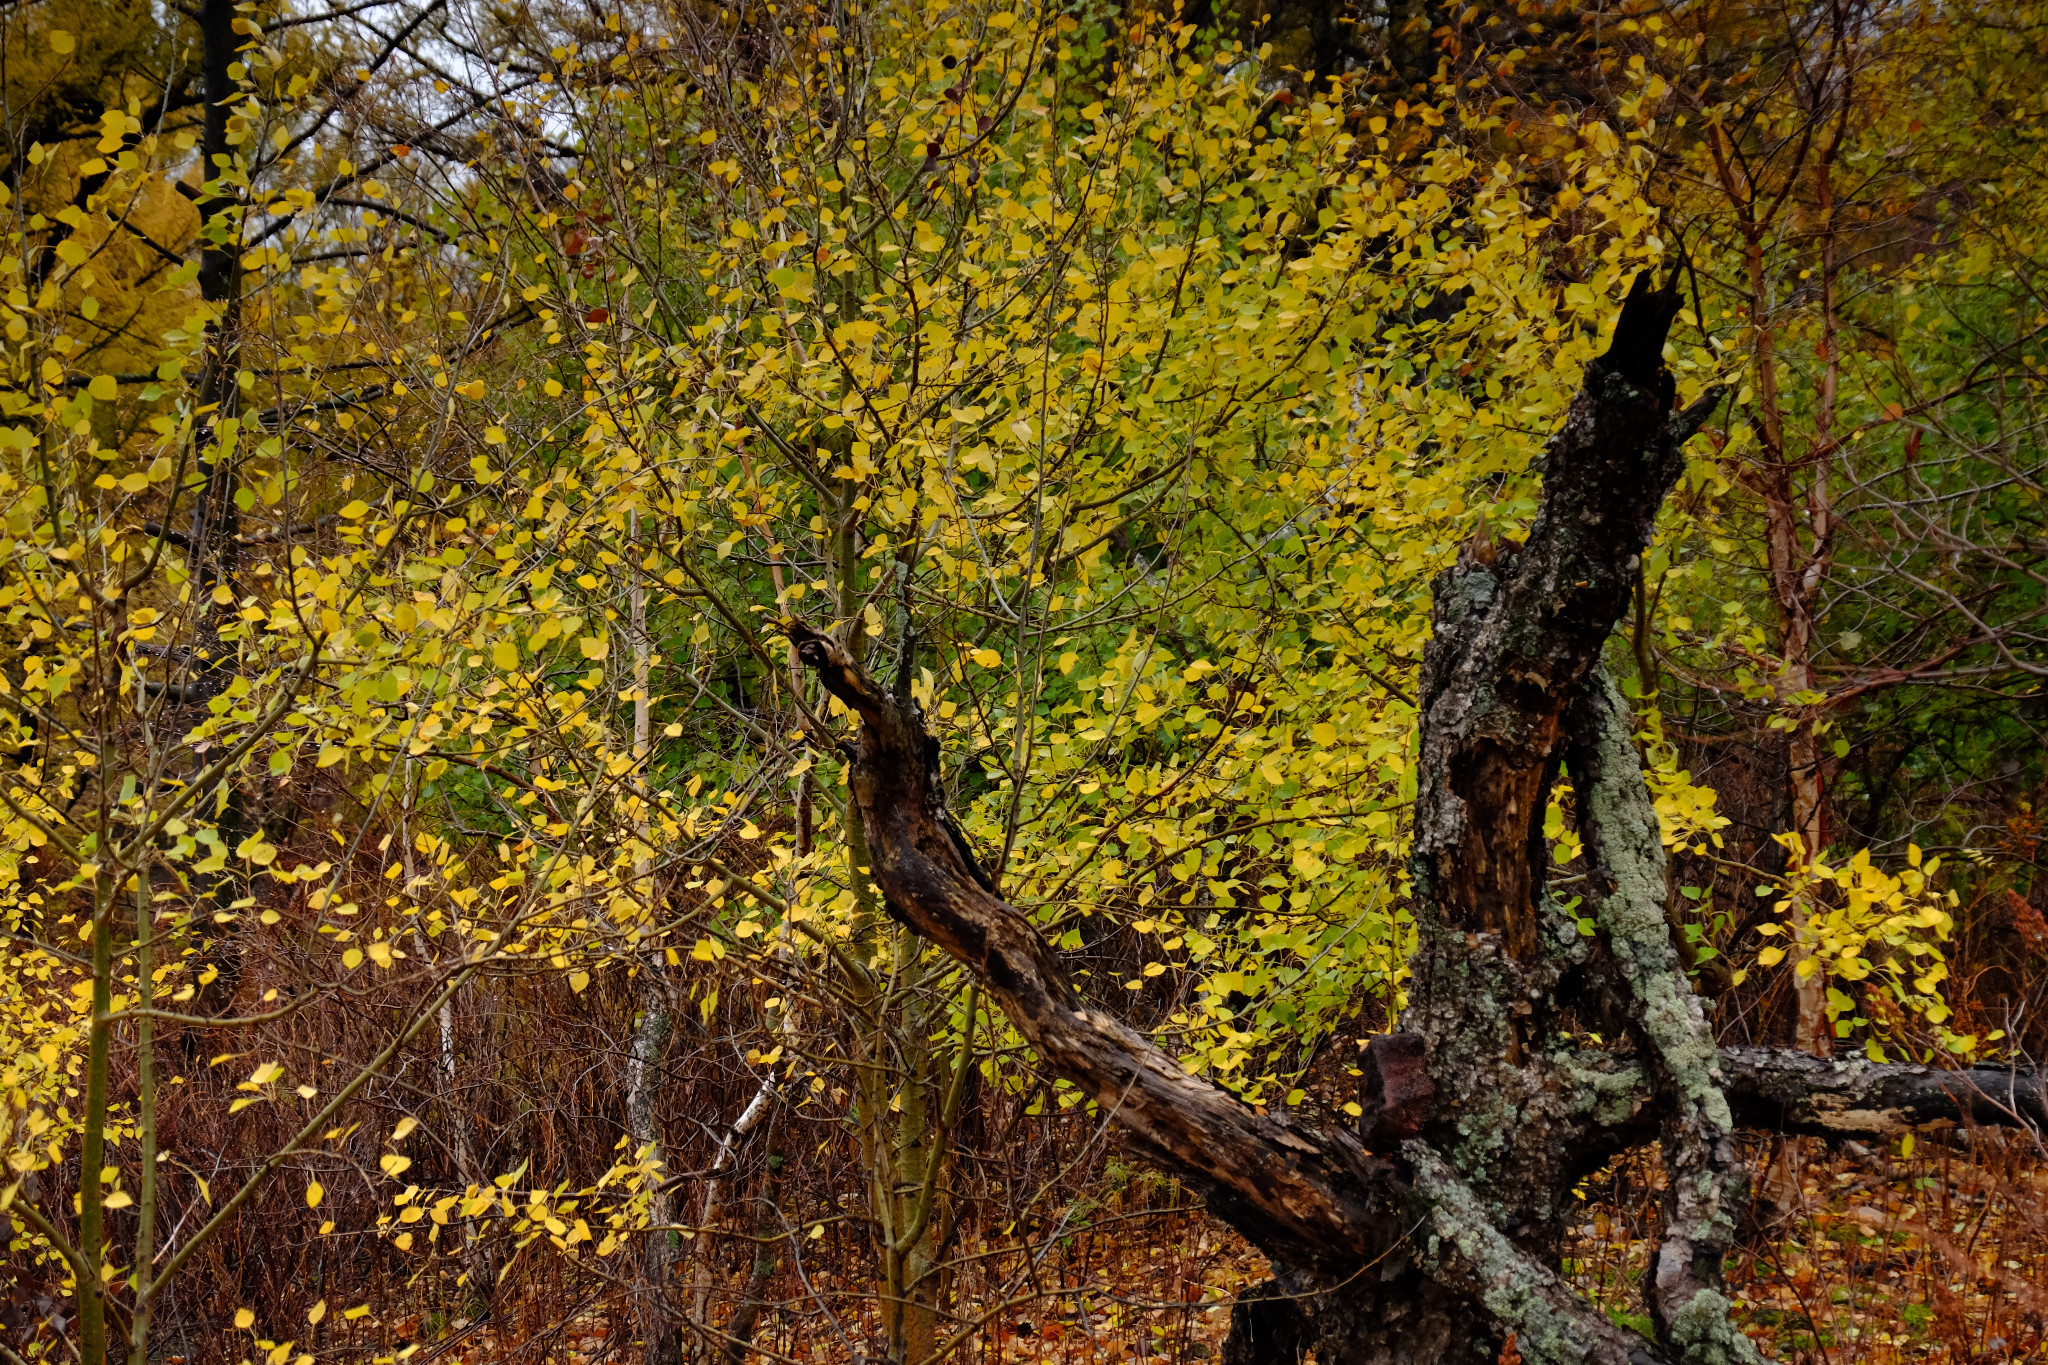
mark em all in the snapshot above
pixel 1433 1230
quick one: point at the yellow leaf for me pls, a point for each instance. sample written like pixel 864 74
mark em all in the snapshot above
pixel 404 1128
pixel 473 390
pixel 578 980
pixel 315 1192
pixel 355 509
pixel 594 647
pixel 987 658
pixel 103 388
pixel 119 1199
pixel 61 42
pixel 244 1318
pixel 494 436
pixel 393 1165
pixel 505 655
pixel 352 959
pixel 316 1312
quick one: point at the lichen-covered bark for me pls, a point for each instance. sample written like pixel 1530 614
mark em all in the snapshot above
pixel 1510 695
pixel 1465 1250
pixel 1390 1256
pixel 1517 628
pixel 1705 1181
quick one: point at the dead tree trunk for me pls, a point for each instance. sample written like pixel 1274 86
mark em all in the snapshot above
pixel 1433 1231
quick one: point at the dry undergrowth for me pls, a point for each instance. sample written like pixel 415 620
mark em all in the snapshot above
pixel 1937 1254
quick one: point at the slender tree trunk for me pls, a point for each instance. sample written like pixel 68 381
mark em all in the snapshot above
pixel 92 1232
pixel 902 1133
pixel 713 1209
pixel 145 1120
pixel 746 1319
pixel 476 1259
pixel 1793 581
pixel 215 520
pixel 901 1083
pixel 214 517
pixel 662 1343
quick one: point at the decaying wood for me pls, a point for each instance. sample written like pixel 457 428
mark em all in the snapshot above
pixel 1511 694
pixel 1397 1096
pixel 1435 1230
pixel 1283 1184
pixel 1787 1091
pixel 1315 1200
pixel 1515 636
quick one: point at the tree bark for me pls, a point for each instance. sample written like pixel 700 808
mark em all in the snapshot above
pixel 739 1331
pixel 1433 1231
pixel 661 1343
pixel 1788 1091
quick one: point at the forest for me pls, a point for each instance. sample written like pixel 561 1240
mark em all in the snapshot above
pixel 896 682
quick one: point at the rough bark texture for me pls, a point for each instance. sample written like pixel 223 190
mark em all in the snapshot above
pixel 1706 1182
pixel 1518 629
pixel 1791 1092
pixel 1434 1231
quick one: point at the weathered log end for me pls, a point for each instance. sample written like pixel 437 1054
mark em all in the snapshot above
pixel 1396 1094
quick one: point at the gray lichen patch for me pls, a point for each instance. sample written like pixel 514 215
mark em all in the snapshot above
pixel 1617 807
pixel 1551 1323
pixel 1703 1331
pixel 1609 1089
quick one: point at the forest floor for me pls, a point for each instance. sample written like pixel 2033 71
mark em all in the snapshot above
pixel 1939 1254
